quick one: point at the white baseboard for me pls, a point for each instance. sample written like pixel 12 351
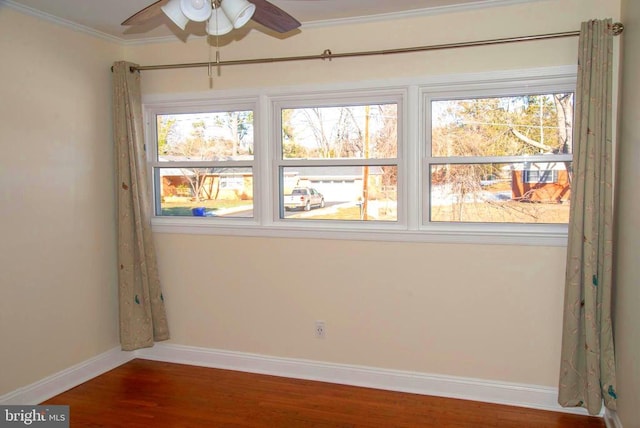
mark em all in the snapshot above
pixel 513 394
pixel 611 419
pixel 530 396
pixel 66 379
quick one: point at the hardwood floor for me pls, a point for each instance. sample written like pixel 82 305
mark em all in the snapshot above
pixel 145 393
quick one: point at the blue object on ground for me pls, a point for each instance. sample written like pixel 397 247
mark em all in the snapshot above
pixel 198 211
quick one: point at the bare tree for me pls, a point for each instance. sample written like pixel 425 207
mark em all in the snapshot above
pixel 238 123
pixel 493 127
pixel 315 121
pixel 194 147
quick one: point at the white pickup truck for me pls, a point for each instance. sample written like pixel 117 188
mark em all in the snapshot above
pixel 303 197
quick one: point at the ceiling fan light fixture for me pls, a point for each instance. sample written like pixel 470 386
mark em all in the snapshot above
pixel 173 10
pixel 196 10
pixel 239 12
pixel 218 24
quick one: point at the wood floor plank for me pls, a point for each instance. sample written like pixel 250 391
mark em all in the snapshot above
pixel 144 393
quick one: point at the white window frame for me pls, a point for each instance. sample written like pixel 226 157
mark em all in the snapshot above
pixel 188 107
pixel 485 90
pixel 413 96
pixel 330 99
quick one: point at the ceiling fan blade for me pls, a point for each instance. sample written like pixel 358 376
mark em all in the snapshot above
pixel 271 16
pixel 145 14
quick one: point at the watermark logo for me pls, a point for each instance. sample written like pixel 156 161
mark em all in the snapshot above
pixel 34 416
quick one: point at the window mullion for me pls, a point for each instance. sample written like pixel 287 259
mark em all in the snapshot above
pixel 413 125
pixel 266 136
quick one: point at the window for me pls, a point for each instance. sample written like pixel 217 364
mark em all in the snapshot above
pixel 232 182
pixel 478 158
pixel 342 158
pixel 204 164
pixel 504 159
pixel 540 175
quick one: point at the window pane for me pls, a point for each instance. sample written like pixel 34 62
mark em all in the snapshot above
pixel 357 132
pixel 205 192
pixel 505 126
pixel 501 192
pixel 363 193
pixel 205 136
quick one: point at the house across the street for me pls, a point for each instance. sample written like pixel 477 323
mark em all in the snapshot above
pixel 540 182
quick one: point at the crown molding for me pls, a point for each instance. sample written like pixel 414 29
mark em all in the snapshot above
pixel 431 11
pixel 439 10
pixel 60 21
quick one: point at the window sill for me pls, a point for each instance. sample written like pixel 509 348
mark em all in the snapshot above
pixel 520 235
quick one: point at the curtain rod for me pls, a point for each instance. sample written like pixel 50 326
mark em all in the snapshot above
pixel 616 28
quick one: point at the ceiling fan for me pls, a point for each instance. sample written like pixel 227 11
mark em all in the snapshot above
pixel 221 16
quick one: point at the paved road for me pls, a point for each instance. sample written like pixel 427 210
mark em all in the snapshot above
pixel 248 213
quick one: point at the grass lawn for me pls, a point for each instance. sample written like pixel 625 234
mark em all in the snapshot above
pixel 507 211
pixel 183 206
pixel 348 213
pixel 489 212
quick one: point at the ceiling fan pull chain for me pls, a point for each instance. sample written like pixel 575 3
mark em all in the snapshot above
pixel 209 50
pixel 209 63
pixel 218 47
pixel 217 58
pixel 209 71
pixel 214 6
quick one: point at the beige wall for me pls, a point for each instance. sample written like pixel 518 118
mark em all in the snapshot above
pixel 481 311
pixel 627 315
pixel 476 311
pixel 57 253
pixel 525 19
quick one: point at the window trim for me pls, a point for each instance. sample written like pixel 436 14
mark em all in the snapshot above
pixel 412 128
pixel 332 99
pixel 153 164
pixel 482 90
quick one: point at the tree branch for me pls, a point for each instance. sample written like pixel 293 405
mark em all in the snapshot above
pixel 531 142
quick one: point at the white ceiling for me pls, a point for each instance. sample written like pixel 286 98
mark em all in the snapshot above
pixel 105 16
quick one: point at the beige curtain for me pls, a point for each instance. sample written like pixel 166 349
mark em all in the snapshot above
pixel 587 373
pixel 142 314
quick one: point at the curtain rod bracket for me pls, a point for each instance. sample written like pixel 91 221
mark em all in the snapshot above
pixel 326 54
pixel 132 69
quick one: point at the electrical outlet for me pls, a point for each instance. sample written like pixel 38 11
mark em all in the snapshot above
pixel 321 329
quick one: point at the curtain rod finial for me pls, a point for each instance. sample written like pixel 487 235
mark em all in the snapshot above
pixel 617 28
